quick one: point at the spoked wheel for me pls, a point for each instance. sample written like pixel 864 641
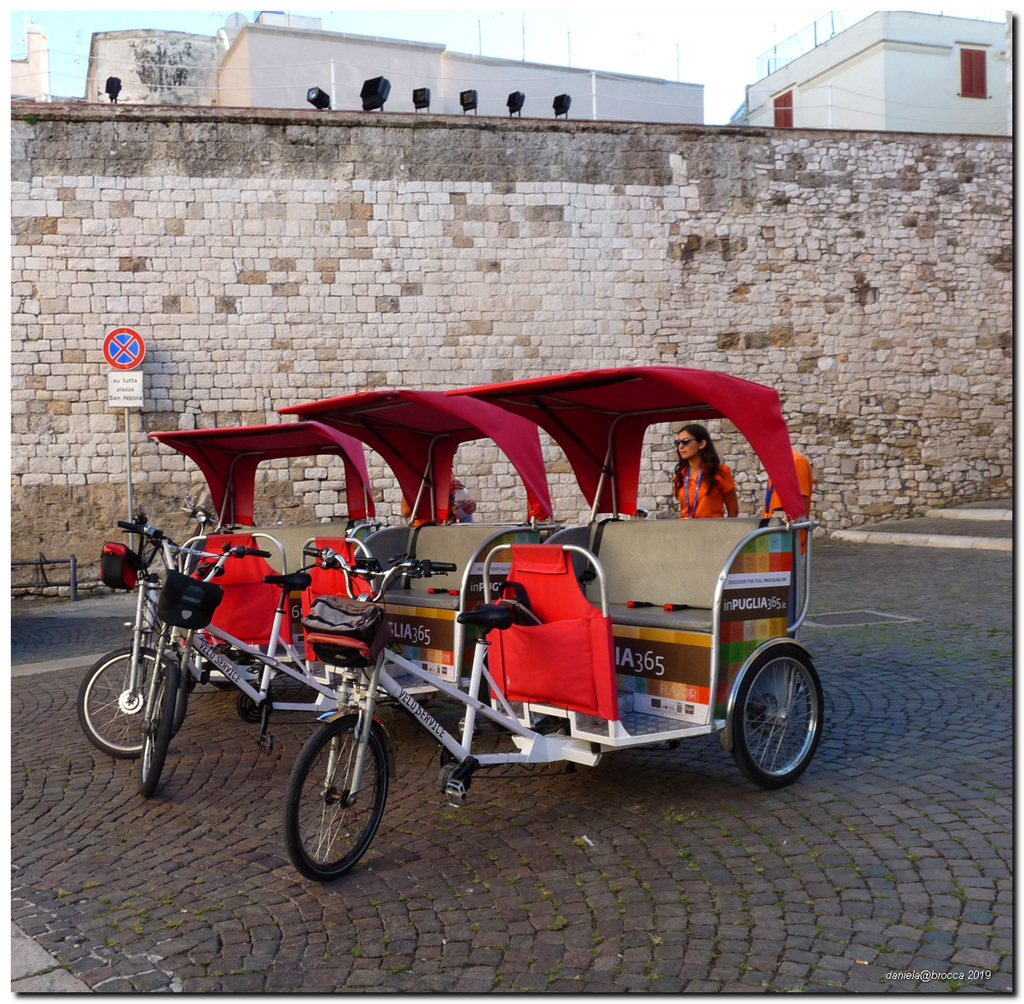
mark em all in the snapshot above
pixel 156 741
pixel 109 710
pixel 777 717
pixel 327 829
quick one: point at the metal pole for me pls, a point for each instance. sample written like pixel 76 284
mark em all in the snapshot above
pixel 128 465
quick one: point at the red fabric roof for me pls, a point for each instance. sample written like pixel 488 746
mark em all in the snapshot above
pixel 229 457
pixel 598 418
pixel 418 431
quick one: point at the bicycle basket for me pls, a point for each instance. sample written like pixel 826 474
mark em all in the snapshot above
pixel 119 565
pixel 346 632
pixel 186 602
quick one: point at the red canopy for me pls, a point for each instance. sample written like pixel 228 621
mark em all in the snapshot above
pixel 229 457
pixel 598 418
pixel 418 431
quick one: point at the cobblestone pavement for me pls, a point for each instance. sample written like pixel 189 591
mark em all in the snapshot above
pixel 886 867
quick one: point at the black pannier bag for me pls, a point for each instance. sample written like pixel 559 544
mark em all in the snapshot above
pixel 186 602
pixel 119 565
pixel 346 632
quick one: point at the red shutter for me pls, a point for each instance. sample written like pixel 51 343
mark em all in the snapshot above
pixel 972 74
pixel 784 111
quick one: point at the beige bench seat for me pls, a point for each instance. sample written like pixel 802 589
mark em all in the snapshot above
pixel 655 562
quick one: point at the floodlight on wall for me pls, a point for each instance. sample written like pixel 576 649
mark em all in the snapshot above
pixel 113 88
pixel 421 98
pixel 318 98
pixel 468 101
pixel 515 103
pixel 561 105
pixel 374 93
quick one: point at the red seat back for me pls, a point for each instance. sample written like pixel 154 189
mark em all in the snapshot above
pixel 249 604
pixel 568 660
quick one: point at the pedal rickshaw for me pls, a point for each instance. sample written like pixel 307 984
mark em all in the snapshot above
pixel 620 633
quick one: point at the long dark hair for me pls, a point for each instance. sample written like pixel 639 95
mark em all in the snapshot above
pixel 708 455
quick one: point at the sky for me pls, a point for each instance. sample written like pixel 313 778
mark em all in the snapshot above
pixel 718 47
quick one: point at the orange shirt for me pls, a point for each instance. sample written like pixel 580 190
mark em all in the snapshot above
pixel 699 499
pixel 804 476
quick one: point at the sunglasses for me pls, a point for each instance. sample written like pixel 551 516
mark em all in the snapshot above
pixel 685 442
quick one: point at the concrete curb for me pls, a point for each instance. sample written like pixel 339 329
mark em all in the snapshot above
pixel 36 971
pixel 53 665
pixel 991 515
pixel 923 540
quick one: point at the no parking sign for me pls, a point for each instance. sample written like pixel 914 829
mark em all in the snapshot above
pixel 124 349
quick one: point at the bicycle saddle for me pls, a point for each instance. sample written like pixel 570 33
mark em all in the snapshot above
pixel 291 581
pixel 488 616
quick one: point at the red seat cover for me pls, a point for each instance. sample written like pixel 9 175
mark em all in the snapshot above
pixel 566 661
pixel 249 604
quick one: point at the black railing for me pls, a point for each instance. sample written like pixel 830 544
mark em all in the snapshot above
pixel 39 577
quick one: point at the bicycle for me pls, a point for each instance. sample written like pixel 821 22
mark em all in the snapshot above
pixel 112 692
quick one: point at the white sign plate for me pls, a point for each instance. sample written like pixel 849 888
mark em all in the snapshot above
pixel 124 389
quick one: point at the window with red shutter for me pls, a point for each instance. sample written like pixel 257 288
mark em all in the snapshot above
pixel 972 74
pixel 784 111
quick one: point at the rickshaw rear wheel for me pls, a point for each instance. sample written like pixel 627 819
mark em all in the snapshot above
pixel 777 717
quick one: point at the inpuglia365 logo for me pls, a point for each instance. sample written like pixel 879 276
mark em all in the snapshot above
pixel 753 604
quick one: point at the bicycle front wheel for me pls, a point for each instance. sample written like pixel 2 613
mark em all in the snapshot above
pixel 158 738
pixel 109 708
pixel 327 829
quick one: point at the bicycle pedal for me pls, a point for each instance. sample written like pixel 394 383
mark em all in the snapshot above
pixel 455 793
pixel 266 744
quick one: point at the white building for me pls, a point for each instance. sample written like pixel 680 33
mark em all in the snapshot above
pixel 30 76
pixel 896 71
pixel 275 61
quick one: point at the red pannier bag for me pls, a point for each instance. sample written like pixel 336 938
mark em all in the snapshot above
pixel 346 632
pixel 567 660
pixel 119 566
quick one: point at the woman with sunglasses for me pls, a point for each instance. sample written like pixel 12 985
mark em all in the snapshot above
pixel 702 483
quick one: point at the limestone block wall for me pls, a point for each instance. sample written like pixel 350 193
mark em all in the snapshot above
pixel 269 258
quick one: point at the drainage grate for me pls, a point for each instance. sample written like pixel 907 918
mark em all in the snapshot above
pixel 855 618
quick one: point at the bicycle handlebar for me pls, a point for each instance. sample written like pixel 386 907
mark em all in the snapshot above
pixel 240 551
pixel 142 529
pixel 400 564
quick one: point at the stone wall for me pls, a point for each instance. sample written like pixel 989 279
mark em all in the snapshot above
pixel 270 258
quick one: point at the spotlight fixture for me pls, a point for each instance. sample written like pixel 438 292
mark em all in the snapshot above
pixel 515 103
pixel 375 92
pixel 113 88
pixel 561 105
pixel 468 101
pixel 421 98
pixel 318 98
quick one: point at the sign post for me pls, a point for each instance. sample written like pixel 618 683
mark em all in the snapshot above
pixel 124 349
